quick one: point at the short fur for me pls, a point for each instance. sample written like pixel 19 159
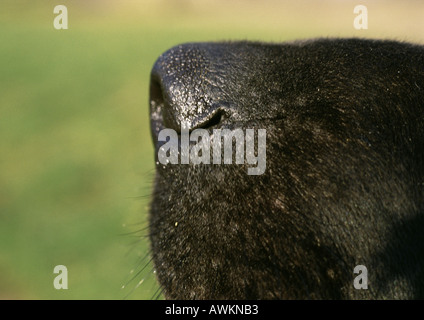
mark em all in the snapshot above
pixel 344 183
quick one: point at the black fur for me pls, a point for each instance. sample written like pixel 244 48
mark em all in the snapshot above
pixel 344 183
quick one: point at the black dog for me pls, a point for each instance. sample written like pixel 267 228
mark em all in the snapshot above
pixel 344 178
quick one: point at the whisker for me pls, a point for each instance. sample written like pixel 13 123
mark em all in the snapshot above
pixel 157 294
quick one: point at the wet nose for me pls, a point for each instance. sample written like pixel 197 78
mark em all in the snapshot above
pixel 186 90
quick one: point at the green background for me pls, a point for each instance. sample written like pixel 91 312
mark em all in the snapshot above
pixel 76 157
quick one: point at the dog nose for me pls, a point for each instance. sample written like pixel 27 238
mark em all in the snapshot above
pixel 186 90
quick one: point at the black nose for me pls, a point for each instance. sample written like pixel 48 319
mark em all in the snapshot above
pixel 186 90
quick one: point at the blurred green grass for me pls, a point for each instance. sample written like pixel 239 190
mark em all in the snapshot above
pixel 76 156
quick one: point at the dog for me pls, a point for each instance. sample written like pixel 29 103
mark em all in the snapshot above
pixel 344 179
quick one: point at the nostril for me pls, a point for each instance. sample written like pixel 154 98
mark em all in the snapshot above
pixel 157 103
pixel 157 100
pixel 184 94
pixel 214 120
pixel 156 93
pixel 162 113
pixel 160 110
